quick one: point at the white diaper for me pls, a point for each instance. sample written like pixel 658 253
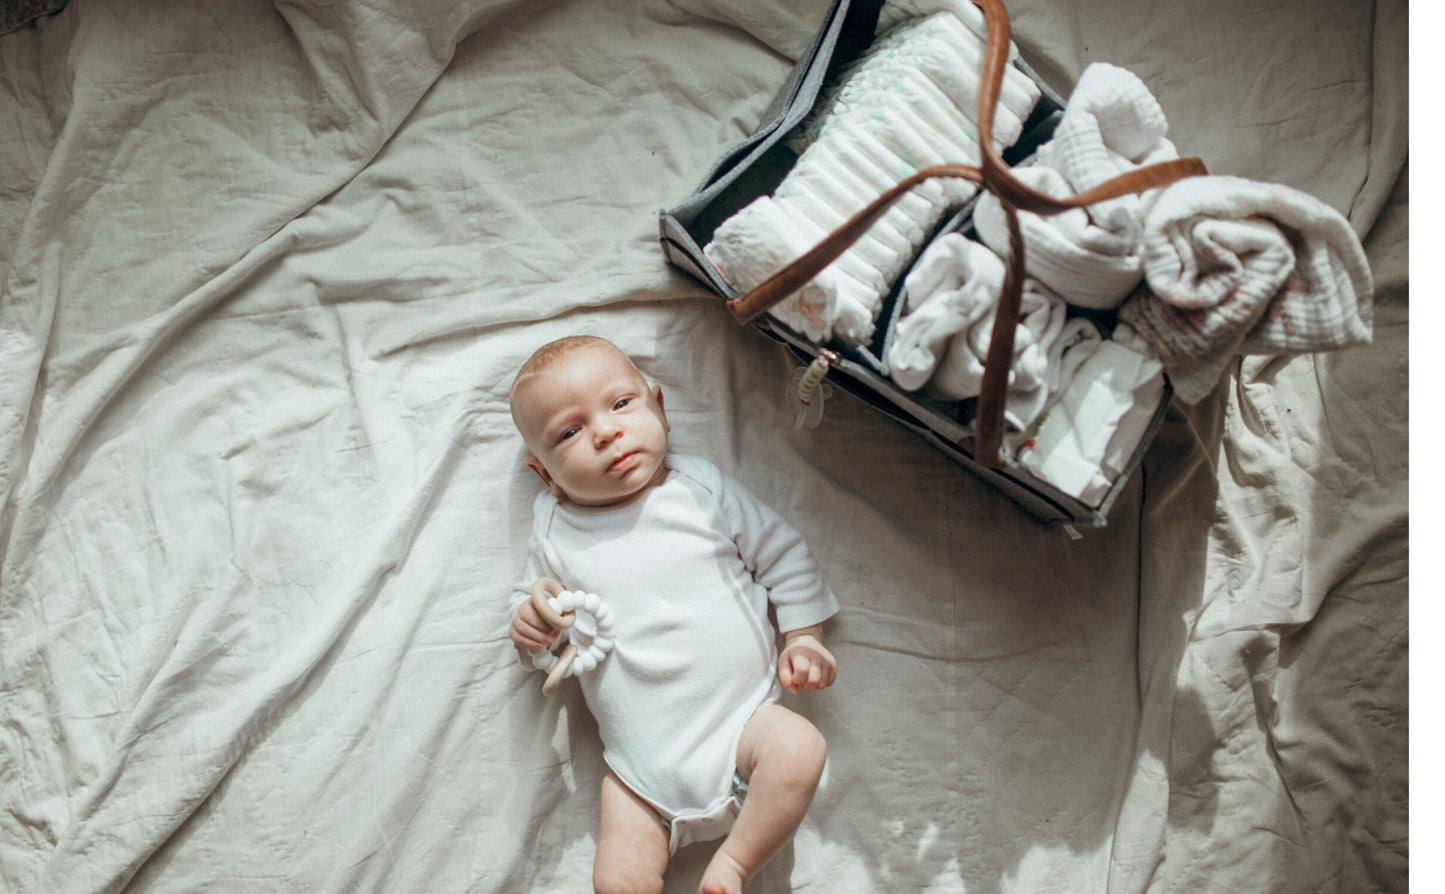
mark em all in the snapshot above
pixel 708 825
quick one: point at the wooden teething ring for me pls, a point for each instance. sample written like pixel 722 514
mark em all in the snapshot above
pixel 542 591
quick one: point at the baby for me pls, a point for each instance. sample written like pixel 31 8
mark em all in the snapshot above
pixel 687 561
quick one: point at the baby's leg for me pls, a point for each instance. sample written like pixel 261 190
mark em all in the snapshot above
pixel 632 843
pixel 780 757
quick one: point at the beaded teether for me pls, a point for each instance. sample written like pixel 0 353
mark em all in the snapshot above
pixel 587 643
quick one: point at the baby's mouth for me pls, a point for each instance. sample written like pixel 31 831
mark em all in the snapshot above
pixel 623 463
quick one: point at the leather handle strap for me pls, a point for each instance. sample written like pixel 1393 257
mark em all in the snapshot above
pixel 993 175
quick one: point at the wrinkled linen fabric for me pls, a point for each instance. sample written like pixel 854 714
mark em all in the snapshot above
pixel 266 272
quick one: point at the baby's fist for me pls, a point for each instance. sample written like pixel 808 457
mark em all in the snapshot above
pixel 805 663
pixel 530 631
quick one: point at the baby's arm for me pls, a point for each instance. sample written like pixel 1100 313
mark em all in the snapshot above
pixel 804 663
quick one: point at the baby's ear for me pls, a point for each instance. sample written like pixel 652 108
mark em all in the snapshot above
pixel 536 466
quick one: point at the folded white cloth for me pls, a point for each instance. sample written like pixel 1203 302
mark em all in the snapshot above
pixel 1092 429
pixel 1235 266
pixel 955 282
pixel 1086 264
pixel 1079 338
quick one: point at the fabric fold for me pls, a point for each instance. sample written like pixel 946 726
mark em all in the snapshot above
pixel 941 341
pixel 1041 319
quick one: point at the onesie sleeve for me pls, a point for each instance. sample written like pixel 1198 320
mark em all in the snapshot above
pixel 778 558
pixel 536 566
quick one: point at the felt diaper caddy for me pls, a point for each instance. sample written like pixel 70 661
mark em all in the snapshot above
pixel 876 222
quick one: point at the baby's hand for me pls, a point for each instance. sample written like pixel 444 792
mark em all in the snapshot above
pixel 529 631
pixel 804 663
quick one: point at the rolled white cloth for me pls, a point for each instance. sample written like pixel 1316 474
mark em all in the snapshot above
pixel 1235 266
pixel 1086 264
pixel 1090 256
pixel 1112 125
pixel 955 282
pixel 1041 320
pixel 941 341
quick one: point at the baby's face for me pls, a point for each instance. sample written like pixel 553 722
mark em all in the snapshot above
pixel 597 433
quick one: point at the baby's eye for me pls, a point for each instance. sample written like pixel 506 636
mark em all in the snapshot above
pixel 621 402
pixel 567 435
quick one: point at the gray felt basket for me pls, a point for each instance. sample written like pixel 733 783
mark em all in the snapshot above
pixel 756 166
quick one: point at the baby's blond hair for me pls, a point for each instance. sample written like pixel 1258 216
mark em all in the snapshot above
pixel 547 356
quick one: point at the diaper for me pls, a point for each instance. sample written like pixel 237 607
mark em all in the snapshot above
pixel 689 828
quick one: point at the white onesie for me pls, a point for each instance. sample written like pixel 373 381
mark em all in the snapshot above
pixel 687 571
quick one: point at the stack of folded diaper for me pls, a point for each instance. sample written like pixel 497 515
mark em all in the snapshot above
pixel 908 102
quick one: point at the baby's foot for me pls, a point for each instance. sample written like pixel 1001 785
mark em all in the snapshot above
pixel 723 876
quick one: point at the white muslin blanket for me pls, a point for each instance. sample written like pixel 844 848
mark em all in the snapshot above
pixel 1087 264
pixel 1234 266
pixel 1112 125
